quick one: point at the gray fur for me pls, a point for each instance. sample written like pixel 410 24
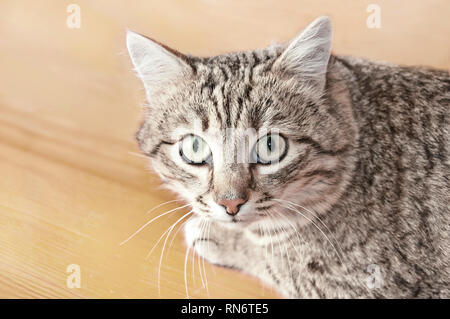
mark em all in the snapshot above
pixel 369 155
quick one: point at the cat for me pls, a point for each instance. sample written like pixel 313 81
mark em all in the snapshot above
pixel 343 190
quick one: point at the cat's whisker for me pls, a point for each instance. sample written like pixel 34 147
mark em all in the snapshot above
pixel 275 224
pixel 205 278
pixel 294 228
pixel 265 253
pixel 318 218
pixel 151 221
pixel 209 236
pixel 162 204
pixel 202 259
pixel 306 209
pixel 321 231
pixel 178 230
pixel 193 268
pixel 271 241
pixel 199 257
pixel 287 250
pixel 164 246
pixel 204 267
pixel 138 155
pixel 156 244
pixel 283 229
pixel 289 238
pixel 298 238
pixel 185 272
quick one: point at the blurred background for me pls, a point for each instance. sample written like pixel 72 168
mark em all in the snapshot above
pixel 72 182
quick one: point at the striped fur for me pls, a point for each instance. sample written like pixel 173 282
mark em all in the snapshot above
pixel 367 153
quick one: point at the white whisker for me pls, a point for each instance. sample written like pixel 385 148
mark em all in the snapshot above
pixel 185 272
pixel 318 218
pixel 164 246
pixel 283 229
pixel 151 221
pixel 325 235
pixel 157 242
pixel 138 155
pixel 199 257
pixel 162 236
pixel 162 204
pixel 273 226
pixel 271 241
pixel 265 253
pixel 178 230
pixel 295 230
pixel 193 268
pixel 204 268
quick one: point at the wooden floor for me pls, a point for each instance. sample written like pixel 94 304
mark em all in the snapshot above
pixel 72 182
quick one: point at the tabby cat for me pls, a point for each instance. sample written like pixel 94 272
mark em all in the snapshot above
pixel 324 176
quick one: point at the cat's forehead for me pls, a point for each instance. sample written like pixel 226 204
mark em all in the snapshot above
pixel 234 64
pixel 236 90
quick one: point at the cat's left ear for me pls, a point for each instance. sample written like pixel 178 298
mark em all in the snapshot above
pixel 156 65
pixel 306 57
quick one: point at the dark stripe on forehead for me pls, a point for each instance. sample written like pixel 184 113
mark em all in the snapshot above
pixel 256 60
pixel 201 112
pixel 240 103
pixel 207 90
pixel 208 84
pixel 226 106
pixel 224 73
pixel 217 112
pixel 225 96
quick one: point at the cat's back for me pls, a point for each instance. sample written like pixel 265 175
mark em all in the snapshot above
pixel 403 165
pixel 422 86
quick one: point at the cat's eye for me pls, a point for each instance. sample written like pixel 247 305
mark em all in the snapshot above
pixel 194 150
pixel 270 149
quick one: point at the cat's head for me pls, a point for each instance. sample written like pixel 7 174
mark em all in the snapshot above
pixel 241 134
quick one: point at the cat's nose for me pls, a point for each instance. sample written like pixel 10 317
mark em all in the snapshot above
pixel 232 206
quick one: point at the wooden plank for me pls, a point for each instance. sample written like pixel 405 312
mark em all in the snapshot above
pixel 72 182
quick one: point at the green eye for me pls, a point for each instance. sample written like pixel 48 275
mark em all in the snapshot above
pixel 270 149
pixel 194 150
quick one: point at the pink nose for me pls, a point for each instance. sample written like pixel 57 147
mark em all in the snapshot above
pixel 232 205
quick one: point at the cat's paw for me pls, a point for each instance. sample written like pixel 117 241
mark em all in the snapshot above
pixel 210 241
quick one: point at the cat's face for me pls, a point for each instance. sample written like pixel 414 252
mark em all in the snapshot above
pixel 237 135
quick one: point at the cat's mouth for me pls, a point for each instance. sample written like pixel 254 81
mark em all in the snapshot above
pixel 243 220
pixel 235 220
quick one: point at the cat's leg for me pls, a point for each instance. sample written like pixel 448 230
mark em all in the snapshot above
pixel 220 245
pixel 248 251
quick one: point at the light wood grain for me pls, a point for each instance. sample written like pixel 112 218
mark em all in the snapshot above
pixel 72 183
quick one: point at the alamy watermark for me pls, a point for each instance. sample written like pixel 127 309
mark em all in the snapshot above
pixel 374 19
pixel 73 20
pixel 375 279
pixel 74 278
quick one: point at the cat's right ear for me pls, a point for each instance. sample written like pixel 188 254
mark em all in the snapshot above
pixel 156 65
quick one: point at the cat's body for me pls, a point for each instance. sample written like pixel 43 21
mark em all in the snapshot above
pixel 392 224
pixel 368 155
